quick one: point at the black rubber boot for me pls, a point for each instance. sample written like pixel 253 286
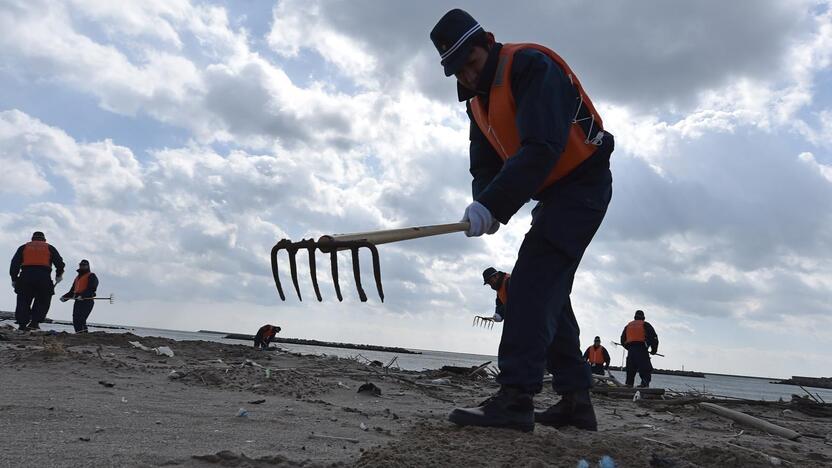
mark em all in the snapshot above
pixel 510 408
pixel 573 409
pixel 33 326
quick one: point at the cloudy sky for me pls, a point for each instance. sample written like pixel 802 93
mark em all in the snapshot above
pixel 173 142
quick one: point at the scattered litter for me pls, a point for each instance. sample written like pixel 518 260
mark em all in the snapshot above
pixel 123 399
pixel 268 373
pixel 107 384
pixel 173 375
pixel 161 350
pixel 242 413
pixel 257 402
pixel 637 396
pixel 249 362
pixel 442 381
pixel 343 385
pixel 363 427
pixel 605 462
pixel 369 388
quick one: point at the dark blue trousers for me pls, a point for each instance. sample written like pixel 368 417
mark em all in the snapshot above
pixel 638 361
pixel 540 330
pixel 34 296
pixel 81 311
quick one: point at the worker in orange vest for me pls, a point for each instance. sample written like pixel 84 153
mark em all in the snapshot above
pixel 265 335
pixel 31 272
pixel 637 337
pixel 82 291
pixel 597 357
pixel 535 134
pixel 499 281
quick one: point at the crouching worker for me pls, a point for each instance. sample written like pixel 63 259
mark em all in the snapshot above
pixel 265 335
pixel 82 292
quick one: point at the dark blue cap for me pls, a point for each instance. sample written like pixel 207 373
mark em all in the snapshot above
pixel 38 236
pixel 453 36
pixel 488 273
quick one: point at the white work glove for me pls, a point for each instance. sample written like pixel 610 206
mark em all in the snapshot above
pixel 497 317
pixel 480 219
pixel 58 279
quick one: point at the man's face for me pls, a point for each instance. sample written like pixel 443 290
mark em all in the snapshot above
pixel 597 342
pixel 469 74
pixel 493 281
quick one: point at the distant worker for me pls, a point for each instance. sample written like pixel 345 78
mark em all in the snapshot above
pixel 31 272
pixel 637 336
pixel 597 357
pixel 265 335
pixel 82 291
pixel 499 281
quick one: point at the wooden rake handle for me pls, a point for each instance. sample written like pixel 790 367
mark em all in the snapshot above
pixel 396 235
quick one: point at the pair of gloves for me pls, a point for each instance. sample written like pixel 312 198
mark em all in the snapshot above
pixel 480 219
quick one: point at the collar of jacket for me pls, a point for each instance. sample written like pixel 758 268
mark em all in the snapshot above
pixel 486 77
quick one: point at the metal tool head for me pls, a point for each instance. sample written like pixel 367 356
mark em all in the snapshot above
pixel 331 246
pixel 112 299
pixel 484 322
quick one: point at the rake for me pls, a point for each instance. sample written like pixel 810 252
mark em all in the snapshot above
pixel 484 322
pixel 332 244
pixel 111 299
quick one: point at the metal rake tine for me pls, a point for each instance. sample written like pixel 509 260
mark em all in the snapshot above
pixel 357 273
pixel 293 269
pixel 333 259
pixel 313 271
pixel 376 270
pixel 474 323
pixel 280 245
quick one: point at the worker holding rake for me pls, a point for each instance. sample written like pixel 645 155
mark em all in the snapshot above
pixel 535 134
pixel 83 291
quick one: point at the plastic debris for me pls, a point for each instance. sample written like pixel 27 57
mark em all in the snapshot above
pixel 442 381
pixel 605 462
pixel 268 373
pixel 173 375
pixel 363 427
pixel 637 396
pixel 142 347
pixel 242 413
pixel 164 351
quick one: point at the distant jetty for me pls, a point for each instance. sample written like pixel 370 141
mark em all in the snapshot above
pixel 680 373
pixel 327 344
pixel 817 382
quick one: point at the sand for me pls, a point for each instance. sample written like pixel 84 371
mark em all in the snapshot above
pixel 95 400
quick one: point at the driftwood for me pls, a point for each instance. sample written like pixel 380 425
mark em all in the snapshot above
pixel 627 391
pixel 751 421
pixel 328 437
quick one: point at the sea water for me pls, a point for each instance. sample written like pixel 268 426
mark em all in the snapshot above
pixel 754 388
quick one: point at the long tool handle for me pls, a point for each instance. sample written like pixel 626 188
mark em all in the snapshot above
pixel 395 235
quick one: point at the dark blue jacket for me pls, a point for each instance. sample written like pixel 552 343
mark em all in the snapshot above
pixel 16 266
pixel 92 286
pixel 546 103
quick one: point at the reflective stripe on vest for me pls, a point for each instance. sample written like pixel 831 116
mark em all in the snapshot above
pixel 36 253
pixel 596 355
pixel 498 121
pixel 635 332
pixel 80 284
pixel 502 292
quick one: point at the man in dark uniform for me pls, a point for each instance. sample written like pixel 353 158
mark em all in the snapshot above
pixel 637 336
pixel 265 335
pixel 597 357
pixel 499 281
pixel 534 134
pixel 31 272
pixel 82 291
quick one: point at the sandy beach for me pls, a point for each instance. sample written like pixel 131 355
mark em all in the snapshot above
pixel 96 400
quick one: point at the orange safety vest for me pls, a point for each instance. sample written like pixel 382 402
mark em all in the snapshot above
pixel 498 121
pixel 36 253
pixel 634 332
pixel 80 283
pixel 502 292
pixel 596 355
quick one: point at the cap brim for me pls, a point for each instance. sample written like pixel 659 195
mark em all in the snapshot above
pixel 457 59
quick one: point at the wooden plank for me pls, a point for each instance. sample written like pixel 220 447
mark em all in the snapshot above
pixel 751 421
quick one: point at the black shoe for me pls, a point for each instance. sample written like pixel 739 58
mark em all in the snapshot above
pixel 33 326
pixel 573 409
pixel 22 328
pixel 510 408
pixel 644 385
